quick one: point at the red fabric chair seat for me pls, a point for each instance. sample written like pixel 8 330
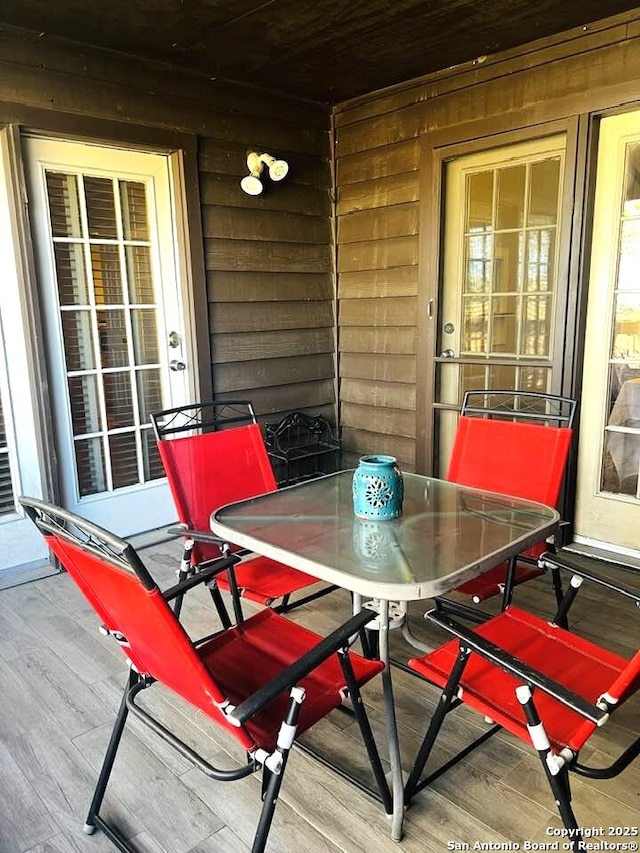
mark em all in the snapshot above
pixel 581 666
pixel 492 582
pixel 263 580
pixel 253 653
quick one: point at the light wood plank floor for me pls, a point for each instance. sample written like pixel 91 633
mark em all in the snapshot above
pixel 61 681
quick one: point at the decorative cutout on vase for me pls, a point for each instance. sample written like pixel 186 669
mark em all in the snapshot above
pixel 378 488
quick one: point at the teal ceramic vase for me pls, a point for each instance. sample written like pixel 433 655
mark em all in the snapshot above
pixel 378 488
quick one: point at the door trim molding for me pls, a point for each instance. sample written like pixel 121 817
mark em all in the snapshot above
pixel 31 309
pixel 182 148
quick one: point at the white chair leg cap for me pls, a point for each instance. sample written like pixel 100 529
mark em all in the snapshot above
pixel 88 829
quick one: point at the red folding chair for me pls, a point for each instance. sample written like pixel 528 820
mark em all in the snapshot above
pixel 545 685
pixel 515 443
pixel 264 681
pixel 214 454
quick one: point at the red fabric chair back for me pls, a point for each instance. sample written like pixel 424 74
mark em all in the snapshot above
pixel 514 458
pixel 207 471
pixel 521 459
pixel 156 643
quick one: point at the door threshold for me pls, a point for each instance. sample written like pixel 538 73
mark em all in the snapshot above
pixel 19 575
pixel 605 555
pixel 151 537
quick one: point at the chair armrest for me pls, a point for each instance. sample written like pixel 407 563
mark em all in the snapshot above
pixel 199 577
pixel 581 566
pixel 508 662
pixel 303 666
pixel 198 535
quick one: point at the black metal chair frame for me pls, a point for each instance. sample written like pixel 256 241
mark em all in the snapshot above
pixel 470 641
pixel 110 548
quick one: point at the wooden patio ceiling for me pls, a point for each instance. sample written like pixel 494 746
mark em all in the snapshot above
pixel 323 50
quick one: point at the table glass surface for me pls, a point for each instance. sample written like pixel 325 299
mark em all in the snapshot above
pixel 447 534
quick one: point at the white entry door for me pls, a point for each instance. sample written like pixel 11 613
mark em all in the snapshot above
pixel 105 246
pixel 608 490
pixel 499 302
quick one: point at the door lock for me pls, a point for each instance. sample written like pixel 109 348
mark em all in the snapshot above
pixel 177 364
pixel 174 340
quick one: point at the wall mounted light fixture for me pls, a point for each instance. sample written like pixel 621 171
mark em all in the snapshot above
pixel 252 184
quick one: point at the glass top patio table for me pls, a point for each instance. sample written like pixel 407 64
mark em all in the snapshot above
pixel 446 535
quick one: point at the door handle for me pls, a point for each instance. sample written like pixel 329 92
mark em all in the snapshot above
pixel 177 364
pixel 447 353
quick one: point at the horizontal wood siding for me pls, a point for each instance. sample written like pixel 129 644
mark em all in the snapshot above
pixel 378 221
pixel 387 258
pixel 268 259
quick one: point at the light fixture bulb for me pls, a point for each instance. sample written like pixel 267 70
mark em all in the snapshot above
pixel 251 185
pixel 278 170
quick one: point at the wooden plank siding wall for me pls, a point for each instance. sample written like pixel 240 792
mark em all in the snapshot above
pixel 389 211
pixel 268 259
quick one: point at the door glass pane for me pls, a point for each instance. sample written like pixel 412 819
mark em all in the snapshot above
pixel 632 180
pixel 511 189
pixel 540 267
pixel 107 277
pixel 478 258
pixel 621 439
pixel 101 311
pixel 64 204
pixel 78 340
pixel 502 376
pixel 504 325
pixel 101 212
pixel 474 377
pixel 543 194
pixel 71 275
pixel 145 335
pixel 480 201
pixel 124 460
pixel 509 256
pixel 112 331
pixel 534 379
pixel 149 393
pixel 133 198
pixel 476 325
pixel 626 325
pixel 139 274
pixel 85 404
pixel 536 325
pixel 7 504
pixel 90 466
pixel 153 468
pixel 118 399
pixel 629 258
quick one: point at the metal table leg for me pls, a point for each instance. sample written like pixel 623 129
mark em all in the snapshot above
pixel 397 782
